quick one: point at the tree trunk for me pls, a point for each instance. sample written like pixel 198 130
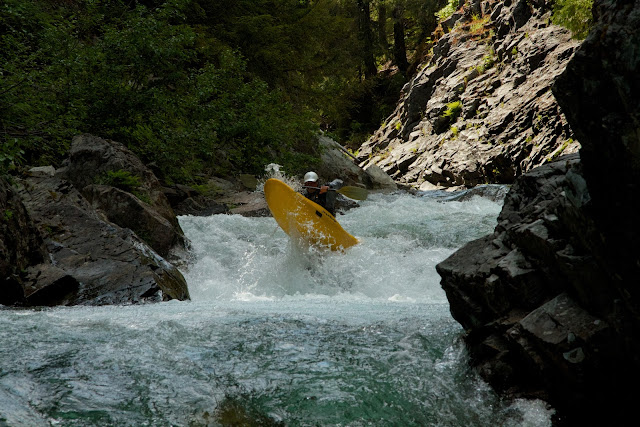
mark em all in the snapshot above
pixel 364 15
pixel 399 47
pixel 382 28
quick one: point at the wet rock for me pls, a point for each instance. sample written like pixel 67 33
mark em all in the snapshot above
pixel 92 160
pixel 536 297
pixel 87 259
pixel 187 201
pixel 200 206
pixel 247 203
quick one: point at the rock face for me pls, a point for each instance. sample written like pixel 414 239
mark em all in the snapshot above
pixel 148 213
pixel 482 110
pixel 61 244
pixel 600 93
pixel 550 300
pixel 20 245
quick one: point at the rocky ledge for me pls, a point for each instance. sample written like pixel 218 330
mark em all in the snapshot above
pixel 550 300
pixel 71 236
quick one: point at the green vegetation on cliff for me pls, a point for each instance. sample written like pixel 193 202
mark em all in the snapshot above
pixel 201 87
pixel 575 15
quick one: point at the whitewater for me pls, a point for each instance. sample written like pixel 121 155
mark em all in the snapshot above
pixel 275 333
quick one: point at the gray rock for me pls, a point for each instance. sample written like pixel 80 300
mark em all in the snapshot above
pixel 509 121
pixel 91 159
pixel 21 246
pixel 336 162
pixel 43 170
pixel 89 260
pixel 125 209
pixel 546 315
pixel 246 203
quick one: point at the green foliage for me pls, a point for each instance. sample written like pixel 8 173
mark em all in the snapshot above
pixel 559 152
pixel 574 15
pixel 121 179
pixel 196 87
pixel 7 215
pixel 477 24
pixel 448 10
pixel 143 76
pixel 125 181
pixel 488 61
pixel 453 110
pixel 10 155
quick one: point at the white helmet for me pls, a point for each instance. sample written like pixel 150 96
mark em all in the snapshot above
pixel 310 177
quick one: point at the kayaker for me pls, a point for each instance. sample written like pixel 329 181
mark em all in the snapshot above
pixel 321 194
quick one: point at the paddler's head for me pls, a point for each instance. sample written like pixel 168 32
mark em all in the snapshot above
pixel 311 179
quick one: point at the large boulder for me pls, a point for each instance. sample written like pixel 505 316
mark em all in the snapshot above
pixel 94 166
pixel 88 259
pixel 336 162
pixel 536 299
pixel 550 300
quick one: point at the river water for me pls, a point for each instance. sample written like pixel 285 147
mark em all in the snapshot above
pixel 275 334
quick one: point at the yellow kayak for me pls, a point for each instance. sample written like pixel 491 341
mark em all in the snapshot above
pixel 301 218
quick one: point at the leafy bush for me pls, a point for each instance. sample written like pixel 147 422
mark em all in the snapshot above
pixel 448 10
pixel 575 15
pixel 138 75
pixel 10 155
pixel 121 179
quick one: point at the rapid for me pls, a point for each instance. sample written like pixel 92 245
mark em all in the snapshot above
pixel 275 334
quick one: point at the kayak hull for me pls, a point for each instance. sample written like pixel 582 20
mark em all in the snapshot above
pixel 303 219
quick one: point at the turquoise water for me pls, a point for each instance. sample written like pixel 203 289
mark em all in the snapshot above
pixel 275 334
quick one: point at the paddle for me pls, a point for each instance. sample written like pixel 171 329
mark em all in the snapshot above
pixel 355 193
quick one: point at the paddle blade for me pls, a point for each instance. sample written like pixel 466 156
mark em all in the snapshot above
pixel 355 193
